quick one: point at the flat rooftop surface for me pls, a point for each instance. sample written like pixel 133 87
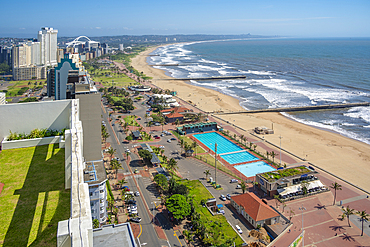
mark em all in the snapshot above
pixel 114 236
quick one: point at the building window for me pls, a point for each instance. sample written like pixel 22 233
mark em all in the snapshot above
pixel 91 193
pixel 101 191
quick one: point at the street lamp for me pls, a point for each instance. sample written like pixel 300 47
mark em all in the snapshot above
pixel 216 165
pixel 302 208
pixel 280 148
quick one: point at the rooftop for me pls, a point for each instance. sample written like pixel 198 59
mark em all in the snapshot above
pixel 287 172
pixel 254 206
pixel 94 172
pixel 114 236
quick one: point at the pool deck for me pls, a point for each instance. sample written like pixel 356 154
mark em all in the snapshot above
pixel 224 162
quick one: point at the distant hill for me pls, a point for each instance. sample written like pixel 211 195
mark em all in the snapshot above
pixel 128 40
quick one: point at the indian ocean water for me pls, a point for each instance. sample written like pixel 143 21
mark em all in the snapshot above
pixel 283 73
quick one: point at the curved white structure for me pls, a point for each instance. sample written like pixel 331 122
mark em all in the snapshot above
pixel 77 41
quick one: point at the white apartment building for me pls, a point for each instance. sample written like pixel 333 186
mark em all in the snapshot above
pixel 48 46
pixel 164 100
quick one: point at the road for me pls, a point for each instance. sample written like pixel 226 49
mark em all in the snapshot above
pixel 144 185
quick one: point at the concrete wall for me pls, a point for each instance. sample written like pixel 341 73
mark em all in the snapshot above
pixel 90 115
pixel 23 118
pixel 30 142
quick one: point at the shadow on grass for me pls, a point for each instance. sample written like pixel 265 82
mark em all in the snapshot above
pixel 42 201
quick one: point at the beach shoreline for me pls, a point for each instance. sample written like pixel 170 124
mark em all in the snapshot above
pixel 340 155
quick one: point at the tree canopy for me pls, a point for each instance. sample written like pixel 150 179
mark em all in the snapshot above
pixel 161 180
pixel 178 206
pixel 145 154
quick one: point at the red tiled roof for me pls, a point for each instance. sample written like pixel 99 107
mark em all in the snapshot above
pixel 176 109
pixel 173 115
pixel 254 206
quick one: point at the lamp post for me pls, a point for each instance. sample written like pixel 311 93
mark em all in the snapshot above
pixel 216 164
pixel 280 148
pixel 302 208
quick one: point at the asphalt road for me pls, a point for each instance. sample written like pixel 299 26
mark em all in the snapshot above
pixel 148 234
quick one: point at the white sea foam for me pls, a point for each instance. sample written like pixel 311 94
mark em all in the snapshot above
pixel 361 112
pixel 255 72
pixel 335 128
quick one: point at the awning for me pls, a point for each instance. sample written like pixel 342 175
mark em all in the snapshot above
pixel 296 188
pixel 289 189
pixel 220 205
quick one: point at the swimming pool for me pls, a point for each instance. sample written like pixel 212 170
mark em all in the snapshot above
pixel 223 144
pixel 251 169
pixel 238 157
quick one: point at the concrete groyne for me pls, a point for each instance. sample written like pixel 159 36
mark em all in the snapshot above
pixel 298 108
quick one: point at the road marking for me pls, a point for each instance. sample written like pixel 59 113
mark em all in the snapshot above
pixel 177 237
pixel 141 230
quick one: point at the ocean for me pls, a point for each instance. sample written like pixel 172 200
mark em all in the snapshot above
pixel 282 73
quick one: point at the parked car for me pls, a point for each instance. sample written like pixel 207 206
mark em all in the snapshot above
pixel 112 124
pixel 173 139
pixel 238 186
pixel 239 229
pixel 136 219
pixel 222 197
pixel 234 181
pixel 169 140
pixel 157 137
pixel 162 134
pixel 161 147
pixel 116 158
pixel 128 150
pixel 137 193
pixel 228 197
pixel 131 202
pixel 157 124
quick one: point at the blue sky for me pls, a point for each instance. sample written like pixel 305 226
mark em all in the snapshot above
pixel 299 18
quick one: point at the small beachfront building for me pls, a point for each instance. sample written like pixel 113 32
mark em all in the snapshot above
pixel 288 180
pixel 136 135
pixel 254 210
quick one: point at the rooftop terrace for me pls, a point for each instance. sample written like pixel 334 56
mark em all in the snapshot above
pixel 284 173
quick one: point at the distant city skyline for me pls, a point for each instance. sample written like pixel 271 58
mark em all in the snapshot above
pixel 315 18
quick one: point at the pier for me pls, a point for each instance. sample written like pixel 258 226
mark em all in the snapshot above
pixel 299 108
pixel 208 78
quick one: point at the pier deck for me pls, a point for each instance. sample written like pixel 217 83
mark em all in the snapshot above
pixel 298 108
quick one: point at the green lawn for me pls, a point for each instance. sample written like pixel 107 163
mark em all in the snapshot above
pixel 130 120
pixel 211 161
pixel 33 199
pixel 217 226
pixel 120 80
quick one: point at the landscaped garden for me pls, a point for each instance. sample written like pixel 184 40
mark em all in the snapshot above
pixel 131 120
pixel 274 175
pixel 33 199
pixel 213 230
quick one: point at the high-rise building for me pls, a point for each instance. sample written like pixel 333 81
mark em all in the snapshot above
pixel 48 46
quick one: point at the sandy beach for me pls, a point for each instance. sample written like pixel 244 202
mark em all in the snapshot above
pixel 342 156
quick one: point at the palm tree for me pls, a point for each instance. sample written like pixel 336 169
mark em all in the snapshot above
pixel 111 152
pixel 122 182
pixel 304 185
pixel 273 154
pixel 348 212
pixel 207 173
pixel 177 122
pixel 364 217
pixel 115 165
pixel 277 200
pixel 243 186
pixel 291 214
pixel 336 187
pixel 194 145
pixel 267 154
pixel 172 165
pixel 110 204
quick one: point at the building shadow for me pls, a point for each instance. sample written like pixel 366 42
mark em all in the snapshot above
pixel 33 222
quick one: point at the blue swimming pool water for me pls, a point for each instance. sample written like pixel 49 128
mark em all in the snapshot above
pixel 239 157
pixel 251 169
pixel 223 144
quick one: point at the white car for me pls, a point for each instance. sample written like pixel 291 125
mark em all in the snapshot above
pixel 137 193
pixel 222 197
pixel 239 229
pixel 169 140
